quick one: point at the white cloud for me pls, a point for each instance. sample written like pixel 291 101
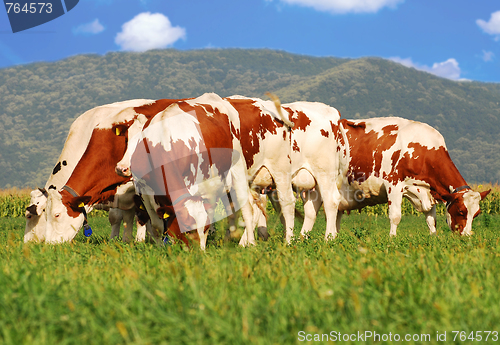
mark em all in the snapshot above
pixel 345 6
pixel 488 56
pixel 491 27
pixel 92 28
pixel 447 69
pixel 148 31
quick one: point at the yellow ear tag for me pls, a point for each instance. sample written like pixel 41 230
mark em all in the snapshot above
pixel 166 215
pixel 81 204
pixel 141 207
pixel 117 131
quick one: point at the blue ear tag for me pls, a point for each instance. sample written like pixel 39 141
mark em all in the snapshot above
pixel 166 239
pixel 87 230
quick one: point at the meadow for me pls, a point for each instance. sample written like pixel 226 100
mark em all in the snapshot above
pixel 96 291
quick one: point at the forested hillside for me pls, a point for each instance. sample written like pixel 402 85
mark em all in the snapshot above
pixel 40 101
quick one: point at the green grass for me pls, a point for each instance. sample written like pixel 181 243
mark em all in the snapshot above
pixel 94 291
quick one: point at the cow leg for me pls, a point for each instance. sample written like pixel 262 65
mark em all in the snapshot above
pixel 243 198
pixel 312 203
pixel 394 200
pixel 128 224
pixel 286 200
pixel 331 202
pixel 430 218
pixel 115 217
pixel 203 237
pixel 248 236
pixel 141 232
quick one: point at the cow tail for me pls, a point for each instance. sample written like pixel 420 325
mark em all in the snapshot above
pixel 345 158
pixel 277 104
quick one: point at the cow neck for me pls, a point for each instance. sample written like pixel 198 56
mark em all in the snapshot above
pixel 446 179
pixel 94 174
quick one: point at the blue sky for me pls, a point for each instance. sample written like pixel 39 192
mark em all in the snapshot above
pixel 455 39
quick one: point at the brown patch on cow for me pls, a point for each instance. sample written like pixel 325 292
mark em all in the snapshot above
pixel 255 125
pixel 433 166
pixel 295 146
pixel 95 171
pixel 324 133
pixel 300 119
pixel 150 110
pixel 366 149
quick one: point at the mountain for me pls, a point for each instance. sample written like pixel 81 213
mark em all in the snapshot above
pixel 41 100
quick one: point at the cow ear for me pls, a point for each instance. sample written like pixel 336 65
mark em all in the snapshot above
pixel 485 193
pixel 78 202
pixel 120 130
pixel 166 213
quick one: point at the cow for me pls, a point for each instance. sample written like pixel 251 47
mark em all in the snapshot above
pixel 318 159
pixel 391 158
pixel 265 144
pixel 184 160
pixel 93 180
pixel 35 227
pixel 74 147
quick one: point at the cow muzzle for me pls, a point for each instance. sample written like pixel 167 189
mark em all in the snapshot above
pixel 123 171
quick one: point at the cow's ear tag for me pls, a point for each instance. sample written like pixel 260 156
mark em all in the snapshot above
pixel 117 131
pixel 166 215
pixel 81 204
pixel 87 230
pixel 141 207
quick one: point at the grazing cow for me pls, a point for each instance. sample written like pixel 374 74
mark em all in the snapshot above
pixel 186 159
pixel 391 158
pixel 76 143
pixel 35 226
pixel 93 179
pixel 265 142
pixel 316 135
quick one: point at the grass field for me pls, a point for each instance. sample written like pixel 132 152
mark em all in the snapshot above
pixel 94 291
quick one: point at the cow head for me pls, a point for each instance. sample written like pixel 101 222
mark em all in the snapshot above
pixel 133 133
pixel 64 216
pixel 462 207
pixel 35 216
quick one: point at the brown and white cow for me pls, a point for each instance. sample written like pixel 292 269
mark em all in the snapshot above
pixel 391 158
pixel 265 142
pixel 76 143
pixel 185 160
pixel 318 161
pixel 93 179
